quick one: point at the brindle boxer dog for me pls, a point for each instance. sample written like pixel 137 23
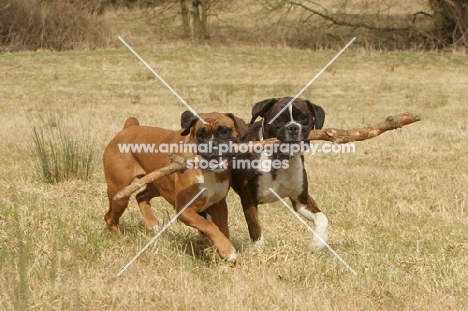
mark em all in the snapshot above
pixel 292 126
pixel 121 168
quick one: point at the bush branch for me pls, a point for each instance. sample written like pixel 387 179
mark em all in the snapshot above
pixel 335 21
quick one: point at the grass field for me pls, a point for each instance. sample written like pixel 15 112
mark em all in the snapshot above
pixel 397 207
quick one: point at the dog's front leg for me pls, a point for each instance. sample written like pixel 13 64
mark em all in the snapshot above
pixel 249 206
pixel 253 224
pixel 219 216
pixel 311 211
pixel 223 245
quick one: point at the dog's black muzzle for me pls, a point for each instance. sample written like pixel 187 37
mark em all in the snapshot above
pixel 213 148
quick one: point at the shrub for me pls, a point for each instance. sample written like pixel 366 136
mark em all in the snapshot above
pixel 48 24
pixel 62 151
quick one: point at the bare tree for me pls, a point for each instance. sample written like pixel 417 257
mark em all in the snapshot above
pixel 194 17
pixel 448 26
pixel 450 21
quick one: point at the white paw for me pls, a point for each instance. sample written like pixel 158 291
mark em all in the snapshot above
pixel 154 228
pixel 316 245
pixel 259 243
pixel 321 229
pixel 232 257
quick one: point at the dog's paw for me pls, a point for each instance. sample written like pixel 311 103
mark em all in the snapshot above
pixel 259 243
pixel 115 230
pixel 154 228
pixel 321 230
pixel 232 257
pixel 316 245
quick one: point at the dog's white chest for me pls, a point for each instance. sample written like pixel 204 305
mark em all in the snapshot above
pixel 288 182
pixel 215 190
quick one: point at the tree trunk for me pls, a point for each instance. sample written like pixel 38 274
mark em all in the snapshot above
pixel 197 27
pixel 194 18
pixel 205 6
pixel 185 18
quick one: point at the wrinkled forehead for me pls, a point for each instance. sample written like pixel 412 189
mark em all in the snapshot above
pixel 213 121
pixel 297 105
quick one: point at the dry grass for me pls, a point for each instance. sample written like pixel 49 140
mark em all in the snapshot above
pixel 397 207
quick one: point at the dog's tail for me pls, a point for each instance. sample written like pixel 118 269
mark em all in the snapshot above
pixel 132 121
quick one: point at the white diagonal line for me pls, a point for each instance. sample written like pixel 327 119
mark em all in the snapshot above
pixel 162 80
pixel 160 232
pixel 313 79
pixel 312 230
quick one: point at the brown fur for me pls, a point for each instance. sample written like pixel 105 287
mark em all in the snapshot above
pixel 178 188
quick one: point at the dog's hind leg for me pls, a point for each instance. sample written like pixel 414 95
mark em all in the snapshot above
pixel 143 198
pixel 116 181
pixel 311 211
pixel 116 210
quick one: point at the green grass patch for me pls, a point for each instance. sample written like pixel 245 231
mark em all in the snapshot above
pixel 62 151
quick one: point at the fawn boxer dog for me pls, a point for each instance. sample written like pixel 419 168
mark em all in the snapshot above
pixel 121 168
pixel 291 126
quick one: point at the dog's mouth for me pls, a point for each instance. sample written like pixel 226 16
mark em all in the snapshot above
pixel 215 155
pixel 293 138
pixel 214 163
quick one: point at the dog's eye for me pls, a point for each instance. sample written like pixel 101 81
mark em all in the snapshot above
pixel 280 120
pixel 222 131
pixel 201 135
pixel 303 119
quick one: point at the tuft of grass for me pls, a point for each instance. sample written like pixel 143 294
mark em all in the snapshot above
pixel 62 151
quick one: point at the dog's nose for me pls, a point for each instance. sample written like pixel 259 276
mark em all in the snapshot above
pixel 215 145
pixel 293 129
pixel 210 148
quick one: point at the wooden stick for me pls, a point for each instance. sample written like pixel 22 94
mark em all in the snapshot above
pixel 338 136
pixel 358 134
pixel 178 164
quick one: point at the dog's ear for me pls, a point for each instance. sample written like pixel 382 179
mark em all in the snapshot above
pixel 260 108
pixel 185 118
pixel 241 126
pixel 319 114
pixel 188 126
